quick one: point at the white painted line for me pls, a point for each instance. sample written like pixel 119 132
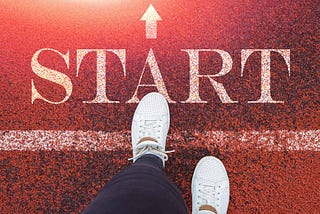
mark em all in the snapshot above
pixel 34 140
pixel 306 140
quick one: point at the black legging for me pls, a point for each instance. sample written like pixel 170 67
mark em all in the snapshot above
pixel 141 188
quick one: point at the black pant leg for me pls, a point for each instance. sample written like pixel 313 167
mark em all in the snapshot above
pixel 141 188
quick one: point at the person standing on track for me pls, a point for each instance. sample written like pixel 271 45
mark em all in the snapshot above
pixel 144 187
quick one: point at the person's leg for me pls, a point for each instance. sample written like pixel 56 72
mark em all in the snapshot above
pixel 210 187
pixel 143 187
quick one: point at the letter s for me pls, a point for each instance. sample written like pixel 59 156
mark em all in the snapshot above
pixel 51 75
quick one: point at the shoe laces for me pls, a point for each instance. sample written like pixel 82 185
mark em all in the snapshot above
pixel 157 150
pixel 209 193
pixel 151 130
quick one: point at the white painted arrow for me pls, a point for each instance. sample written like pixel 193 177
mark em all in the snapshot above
pixel 151 17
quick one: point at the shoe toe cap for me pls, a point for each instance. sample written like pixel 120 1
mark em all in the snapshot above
pixel 153 104
pixel 211 168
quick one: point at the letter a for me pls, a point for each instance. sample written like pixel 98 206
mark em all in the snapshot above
pixel 157 78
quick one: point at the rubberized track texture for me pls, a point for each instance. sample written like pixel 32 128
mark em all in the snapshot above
pixel 54 158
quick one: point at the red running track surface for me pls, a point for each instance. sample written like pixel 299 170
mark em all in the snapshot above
pixel 263 179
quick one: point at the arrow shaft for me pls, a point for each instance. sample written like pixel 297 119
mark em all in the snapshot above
pixel 151 29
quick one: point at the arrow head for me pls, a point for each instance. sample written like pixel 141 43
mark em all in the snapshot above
pixel 151 15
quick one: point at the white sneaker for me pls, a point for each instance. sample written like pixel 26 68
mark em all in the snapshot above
pixel 210 187
pixel 150 127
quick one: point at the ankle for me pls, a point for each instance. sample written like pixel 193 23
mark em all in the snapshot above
pixel 151 159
